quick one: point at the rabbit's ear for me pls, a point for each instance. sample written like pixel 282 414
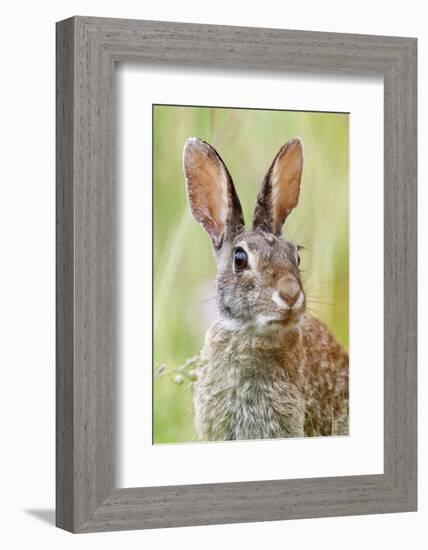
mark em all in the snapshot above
pixel 211 193
pixel 280 189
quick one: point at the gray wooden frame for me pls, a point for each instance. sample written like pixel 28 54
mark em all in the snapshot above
pixel 87 50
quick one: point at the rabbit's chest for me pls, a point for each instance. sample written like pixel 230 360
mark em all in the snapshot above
pixel 242 396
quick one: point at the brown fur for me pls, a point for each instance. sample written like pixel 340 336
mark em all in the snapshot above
pixel 285 384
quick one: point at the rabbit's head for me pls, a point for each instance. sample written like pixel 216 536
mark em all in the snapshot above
pixel 258 280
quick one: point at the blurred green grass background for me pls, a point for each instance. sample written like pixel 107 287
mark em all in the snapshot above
pixel 184 266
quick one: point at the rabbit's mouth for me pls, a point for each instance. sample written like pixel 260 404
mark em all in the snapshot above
pixel 287 321
pixel 265 324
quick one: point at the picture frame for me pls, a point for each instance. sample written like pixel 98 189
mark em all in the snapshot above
pixel 87 51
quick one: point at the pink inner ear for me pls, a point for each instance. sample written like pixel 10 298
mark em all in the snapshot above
pixel 214 229
pixel 206 187
pixel 285 181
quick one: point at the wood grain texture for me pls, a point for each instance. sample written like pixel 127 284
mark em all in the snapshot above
pixel 64 277
pixel 87 50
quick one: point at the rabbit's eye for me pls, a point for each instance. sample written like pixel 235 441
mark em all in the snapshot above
pixel 298 248
pixel 240 259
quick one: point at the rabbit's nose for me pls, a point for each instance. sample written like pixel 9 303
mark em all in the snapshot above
pixel 289 290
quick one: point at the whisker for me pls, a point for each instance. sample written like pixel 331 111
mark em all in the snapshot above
pixel 327 308
pixel 192 304
pixel 322 285
pixel 322 303
pixel 309 275
pixel 319 314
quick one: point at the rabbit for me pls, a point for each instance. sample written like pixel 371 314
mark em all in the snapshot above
pixel 267 369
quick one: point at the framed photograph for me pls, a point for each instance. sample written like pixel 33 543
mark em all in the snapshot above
pixel 236 274
pixel 255 294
